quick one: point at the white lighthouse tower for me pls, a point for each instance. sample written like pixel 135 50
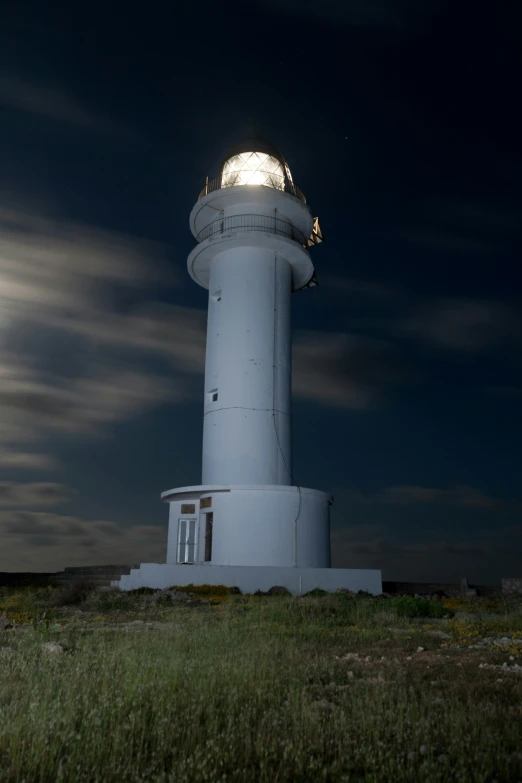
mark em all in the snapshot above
pixel 248 524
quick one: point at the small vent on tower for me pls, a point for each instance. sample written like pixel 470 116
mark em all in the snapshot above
pixel 216 296
pixel 212 395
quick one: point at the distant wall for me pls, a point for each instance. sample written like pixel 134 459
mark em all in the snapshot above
pixel 102 576
pixel 24 579
pixel 252 578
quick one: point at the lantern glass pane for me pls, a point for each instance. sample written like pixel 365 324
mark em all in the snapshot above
pixel 253 168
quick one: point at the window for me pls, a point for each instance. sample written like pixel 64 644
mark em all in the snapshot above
pixel 208 536
pixel 187 541
pixel 212 395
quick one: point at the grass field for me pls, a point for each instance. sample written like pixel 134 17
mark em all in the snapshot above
pixel 106 686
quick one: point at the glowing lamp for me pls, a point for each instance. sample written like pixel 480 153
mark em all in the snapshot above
pixel 253 168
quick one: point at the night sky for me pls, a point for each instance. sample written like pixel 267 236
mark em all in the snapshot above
pixel 401 122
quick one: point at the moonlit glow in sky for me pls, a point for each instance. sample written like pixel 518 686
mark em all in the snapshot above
pixel 253 168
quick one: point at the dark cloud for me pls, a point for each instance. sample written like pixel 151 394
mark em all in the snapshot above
pixel 70 540
pixel 467 226
pixel 468 497
pixel 344 370
pixel 367 291
pixel 484 558
pixel 399 15
pixel 470 325
pixel 510 392
pixel 50 101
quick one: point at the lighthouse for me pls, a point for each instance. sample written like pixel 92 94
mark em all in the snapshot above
pixel 250 523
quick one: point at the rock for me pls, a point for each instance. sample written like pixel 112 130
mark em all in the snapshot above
pixel 420 649
pixel 5 623
pixel 53 648
pixel 324 705
pixel 439 634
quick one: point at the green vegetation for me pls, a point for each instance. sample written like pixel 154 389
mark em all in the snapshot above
pixel 406 606
pixel 213 685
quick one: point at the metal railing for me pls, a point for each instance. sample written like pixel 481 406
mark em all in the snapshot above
pixel 270 225
pixel 215 184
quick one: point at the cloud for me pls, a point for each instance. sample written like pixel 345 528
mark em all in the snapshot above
pixel 174 333
pixel 471 325
pixel 42 541
pixel 31 405
pixel 52 102
pixel 345 371
pixel 463 496
pixel 32 494
pixel 48 264
pixel 60 281
pixel 25 460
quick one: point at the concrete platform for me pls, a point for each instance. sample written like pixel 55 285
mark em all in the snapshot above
pixel 252 578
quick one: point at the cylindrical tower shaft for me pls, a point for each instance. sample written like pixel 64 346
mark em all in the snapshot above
pixel 247 413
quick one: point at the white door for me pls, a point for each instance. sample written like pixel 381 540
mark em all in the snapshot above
pixel 187 541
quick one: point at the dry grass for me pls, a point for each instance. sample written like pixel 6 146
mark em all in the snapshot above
pixel 160 688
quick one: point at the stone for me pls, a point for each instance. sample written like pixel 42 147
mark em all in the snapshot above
pixel 324 705
pixel 53 648
pixel 5 623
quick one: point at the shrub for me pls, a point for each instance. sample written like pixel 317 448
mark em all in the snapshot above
pixel 407 606
pixel 207 590
pixel 316 593
pixel 279 590
pixel 143 591
pixel 74 593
